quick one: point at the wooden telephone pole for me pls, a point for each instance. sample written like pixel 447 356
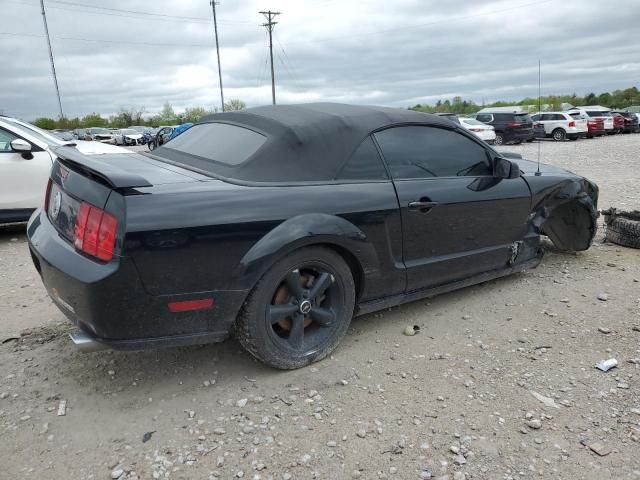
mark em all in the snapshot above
pixel 269 15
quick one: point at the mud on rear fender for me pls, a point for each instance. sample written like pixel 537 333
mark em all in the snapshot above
pixel 568 215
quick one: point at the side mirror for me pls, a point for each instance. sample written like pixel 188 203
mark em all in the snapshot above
pixel 19 145
pixel 504 168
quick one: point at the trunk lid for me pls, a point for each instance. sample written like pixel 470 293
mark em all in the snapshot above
pixel 125 170
pixel 85 194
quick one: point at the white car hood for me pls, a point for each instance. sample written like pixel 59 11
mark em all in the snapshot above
pixel 97 148
pixel 134 136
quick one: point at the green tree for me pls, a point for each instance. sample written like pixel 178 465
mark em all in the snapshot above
pixel 194 114
pixel 93 120
pixel 167 115
pixel 234 104
pixel 46 123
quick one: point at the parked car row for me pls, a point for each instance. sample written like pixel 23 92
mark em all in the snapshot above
pixel 514 125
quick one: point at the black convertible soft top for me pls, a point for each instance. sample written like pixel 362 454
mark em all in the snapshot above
pixel 307 142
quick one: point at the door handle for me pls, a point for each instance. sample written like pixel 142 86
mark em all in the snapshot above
pixel 422 205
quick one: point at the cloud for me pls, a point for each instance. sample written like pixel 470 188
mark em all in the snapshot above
pixel 367 51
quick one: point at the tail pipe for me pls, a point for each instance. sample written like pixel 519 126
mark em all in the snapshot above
pixel 86 343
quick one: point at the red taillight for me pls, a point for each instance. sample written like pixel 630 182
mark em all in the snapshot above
pixel 572 123
pixel 513 125
pixel 190 305
pixel 95 232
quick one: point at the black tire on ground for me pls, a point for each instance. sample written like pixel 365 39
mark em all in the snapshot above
pixel 623 228
pixel 573 139
pixel 152 145
pixel 272 325
pixel 530 140
pixel 499 139
pixel 558 135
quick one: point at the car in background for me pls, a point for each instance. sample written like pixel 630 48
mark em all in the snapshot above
pixel 479 129
pixel 100 134
pixel 630 121
pixel 81 134
pixel 561 125
pixel 450 116
pixel 26 157
pixel 597 111
pixel 139 128
pixel 128 136
pixel 511 124
pixel 62 134
pixel 162 135
pixel 618 122
pixel 538 130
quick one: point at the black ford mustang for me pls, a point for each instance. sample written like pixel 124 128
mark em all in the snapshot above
pixel 280 223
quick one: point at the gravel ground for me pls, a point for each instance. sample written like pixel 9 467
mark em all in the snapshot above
pixel 499 383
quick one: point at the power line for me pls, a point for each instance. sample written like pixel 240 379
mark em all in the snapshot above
pixel 129 13
pixel 215 28
pixel 269 15
pixel 53 65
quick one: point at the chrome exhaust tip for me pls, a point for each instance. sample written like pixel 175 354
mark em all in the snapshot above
pixel 85 343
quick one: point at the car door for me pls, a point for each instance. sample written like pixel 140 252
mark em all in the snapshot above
pixel 458 220
pixel 23 176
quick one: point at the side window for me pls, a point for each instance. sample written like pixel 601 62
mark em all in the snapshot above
pixel 364 164
pixel 422 152
pixel 484 117
pixel 5 141
pixel 536 118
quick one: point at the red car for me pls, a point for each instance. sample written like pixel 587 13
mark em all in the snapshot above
pixel 618 123
pixel 596 127
pixel 630 121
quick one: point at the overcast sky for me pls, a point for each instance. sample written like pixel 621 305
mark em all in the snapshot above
pixel 385 52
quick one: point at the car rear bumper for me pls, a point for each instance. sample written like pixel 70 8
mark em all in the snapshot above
pixel 109 304
pixel 515 135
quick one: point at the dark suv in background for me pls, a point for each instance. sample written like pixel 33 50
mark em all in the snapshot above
pixel 512 125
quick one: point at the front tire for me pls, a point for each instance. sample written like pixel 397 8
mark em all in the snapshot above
pixel 299 310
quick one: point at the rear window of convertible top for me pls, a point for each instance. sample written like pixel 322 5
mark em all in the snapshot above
pixel 218 142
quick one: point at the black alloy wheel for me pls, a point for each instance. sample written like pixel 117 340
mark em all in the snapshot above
pixel 300 310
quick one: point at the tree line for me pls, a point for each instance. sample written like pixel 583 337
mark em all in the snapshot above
pixel 619 99
pixel 136 116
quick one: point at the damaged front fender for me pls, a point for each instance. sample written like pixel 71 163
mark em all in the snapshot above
pixel 565 211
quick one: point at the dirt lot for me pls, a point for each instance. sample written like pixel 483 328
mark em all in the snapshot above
pixel 499 384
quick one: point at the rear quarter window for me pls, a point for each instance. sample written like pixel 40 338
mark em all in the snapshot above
pixel 218 142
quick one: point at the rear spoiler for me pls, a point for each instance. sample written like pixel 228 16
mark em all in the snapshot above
pixel 99 167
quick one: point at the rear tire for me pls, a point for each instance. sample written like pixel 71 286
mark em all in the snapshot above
pixel 558 135
pixel 272 324
pixel 499 139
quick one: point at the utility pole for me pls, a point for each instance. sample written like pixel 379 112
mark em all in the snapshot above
pixel 269 15
pixel 215 28
pixel 53 66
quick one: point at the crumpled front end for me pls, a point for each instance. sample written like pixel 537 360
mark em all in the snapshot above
pixel 568 214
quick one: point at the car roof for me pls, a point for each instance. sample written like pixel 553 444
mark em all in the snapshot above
pixel 516 109
pixel 310 142
pixel 597 108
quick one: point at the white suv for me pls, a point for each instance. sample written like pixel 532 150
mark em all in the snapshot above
pixel 26 157
pixel 596 111
pixel 561 125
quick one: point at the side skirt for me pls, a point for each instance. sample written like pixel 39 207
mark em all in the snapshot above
pixel 395 300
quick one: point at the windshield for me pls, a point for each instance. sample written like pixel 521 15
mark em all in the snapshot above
pixel 100 131
pixel 598 114
pixel 36 132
